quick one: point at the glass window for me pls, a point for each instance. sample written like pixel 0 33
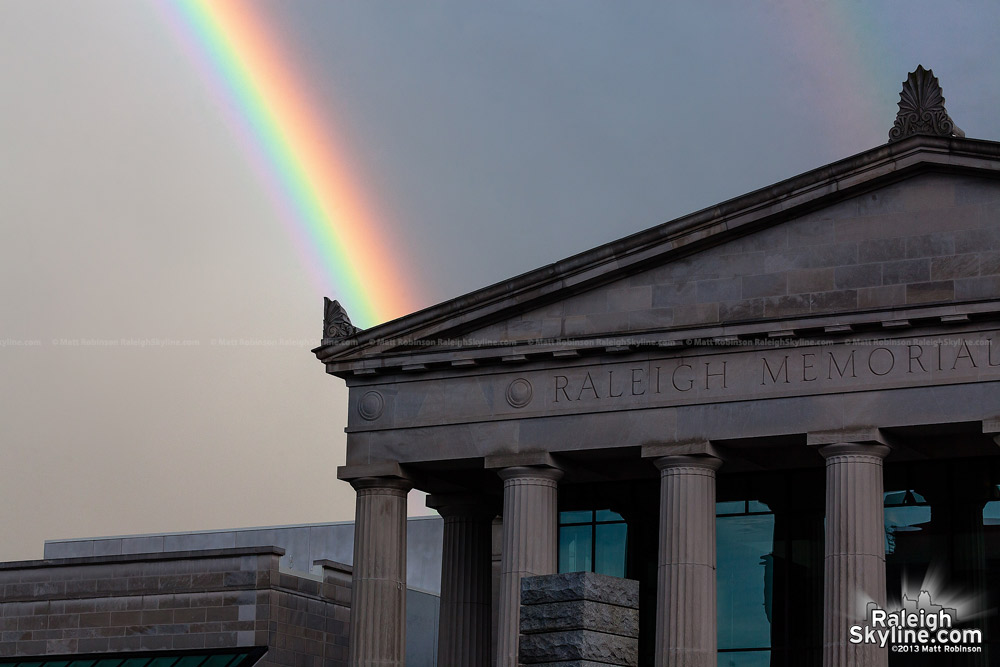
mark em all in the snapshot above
pixel 745 568
pixel 592 541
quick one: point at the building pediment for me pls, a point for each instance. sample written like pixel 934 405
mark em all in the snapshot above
pixel 907 228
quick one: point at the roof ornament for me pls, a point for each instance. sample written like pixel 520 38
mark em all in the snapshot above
pixel 336 324
pixel 921 108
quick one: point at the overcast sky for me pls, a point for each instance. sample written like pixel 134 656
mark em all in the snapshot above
pixel 493 137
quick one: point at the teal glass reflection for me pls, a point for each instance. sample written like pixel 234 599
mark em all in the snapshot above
pixel 757 506
pixel 731 507
pixel 608 515
pixel 575 548
pixel 744 546
pixel 745 659
pixel 610 549
pixel 904 512
pixel 585 516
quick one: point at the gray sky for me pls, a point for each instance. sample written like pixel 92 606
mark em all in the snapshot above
pixel 494 138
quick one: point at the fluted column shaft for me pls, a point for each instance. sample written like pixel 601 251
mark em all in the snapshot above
pixel 530 542
pixel 378 585
pixel 465 621
pixel 854 559
pixel 686 598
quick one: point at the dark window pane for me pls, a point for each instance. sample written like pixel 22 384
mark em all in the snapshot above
pixel 901 520
pixel 611 549
pixel 190 661
pixel 575 548
pixel 162 662
pixel 745 567
pixel 585 516
pixel 608 515
pixel 221 660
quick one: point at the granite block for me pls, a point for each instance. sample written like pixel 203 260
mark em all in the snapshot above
pixel 571 586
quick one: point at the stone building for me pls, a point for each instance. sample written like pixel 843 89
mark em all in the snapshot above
pixel 778 415
pixel 224 598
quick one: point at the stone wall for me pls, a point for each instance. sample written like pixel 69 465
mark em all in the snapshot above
pixel 579 619
pixel 931 239
pixel 221 598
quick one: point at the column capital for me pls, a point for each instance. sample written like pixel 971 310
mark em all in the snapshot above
pixel 862 435
pixel 391 483
pixel 349 473
pixel 464 505
pixel 688 461
pixel 530 472
pixel 992 427
pixel 836 449
pixel 680 448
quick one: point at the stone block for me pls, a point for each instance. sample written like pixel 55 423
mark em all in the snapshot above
pixel 906 271
pixel 858 275
pixel 746 309
pixel 955 266
pixel 989 263
pixel 571 586
pixel 782 306
pixel 724 289
pixel 880 297
pixel 930 245
pixel 881 250
pixel 942 290
pixel 838 300
pixel 580 615
pixel 698 313
pixel 579 645
pixel 983 287
pixel 673 294
pixel 765 284
pixel 810 280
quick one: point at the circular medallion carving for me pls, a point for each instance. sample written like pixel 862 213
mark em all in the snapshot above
pixel 519 393
pixel 370 406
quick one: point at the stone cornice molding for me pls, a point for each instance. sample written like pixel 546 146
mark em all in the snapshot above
pixel 794 197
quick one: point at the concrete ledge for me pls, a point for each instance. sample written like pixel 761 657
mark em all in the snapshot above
pixel 141 557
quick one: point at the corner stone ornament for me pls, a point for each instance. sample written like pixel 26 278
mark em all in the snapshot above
pixel 519 393
pixel 371 405
pixel 921 108
pixel 336 324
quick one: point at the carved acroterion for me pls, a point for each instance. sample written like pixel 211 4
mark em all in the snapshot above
pixel 921 108
pixel 336 324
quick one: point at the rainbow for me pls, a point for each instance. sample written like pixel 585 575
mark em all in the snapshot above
pixel 307 176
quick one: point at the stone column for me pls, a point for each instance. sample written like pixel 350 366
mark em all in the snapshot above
pixel 465 622
pixel 686 597
pixel 854 560
pixel 378 593
pixel 530 542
